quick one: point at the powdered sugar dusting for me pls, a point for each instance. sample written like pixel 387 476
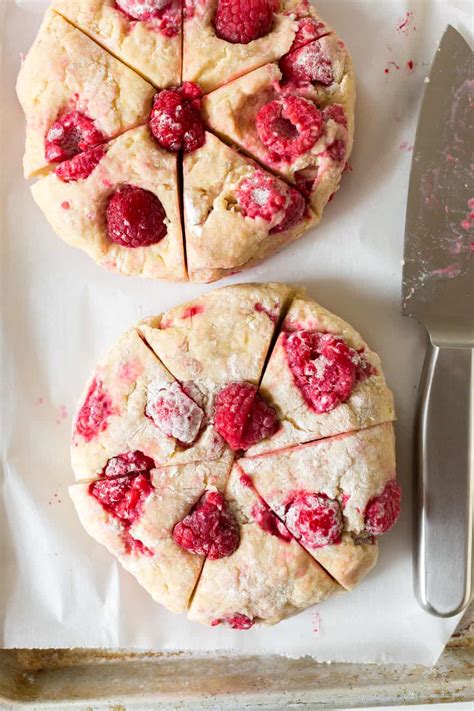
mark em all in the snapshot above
pixel 174 412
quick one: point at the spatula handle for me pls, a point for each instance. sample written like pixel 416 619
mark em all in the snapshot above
pixel 444 479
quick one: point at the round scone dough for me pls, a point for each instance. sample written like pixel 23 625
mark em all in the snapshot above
pixel 237 455
pixel 241 132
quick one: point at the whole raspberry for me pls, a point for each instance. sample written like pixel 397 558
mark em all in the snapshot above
pixel 175 118
pixel 294 212
pixel 94 413
pixel 80 166
pixel 269 522
pixel 382 511
pixel 69 135
pixel 123 497
pixel 135 218
pixel 315 519
pixel 142 9
pixel 236 622
pixel 289 126
pixel 211 528
pixel 308 64
pixel 242 416
pixel 308 30
pixel 242 21
pixel 128 463
pixel 324 368
pixel 261 195
pixel 175 413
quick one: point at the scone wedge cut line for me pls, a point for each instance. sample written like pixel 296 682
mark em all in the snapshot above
pixel 185 140
pixel 237 455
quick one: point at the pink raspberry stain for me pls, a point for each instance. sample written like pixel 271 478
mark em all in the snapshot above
pixel 269 522
pixel 69 135
pixel 66 205
pixel 92 418
pixel 406 23
pixel 272 314
pixel 124 497
pixel 324 368
pixel 175 413
pixel 191 311
pixel 314 519
pixel 130 370
pixel 242 417
pixel 61 414
pixel 316 622
pixel 210 529
pixel 382 511
pixel 468 222
pixel 235 622
pixel 289 127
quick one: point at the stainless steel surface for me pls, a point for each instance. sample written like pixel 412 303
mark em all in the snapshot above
pixel 438 290
pixel 444 535
pixel 438 273
pixel 101 680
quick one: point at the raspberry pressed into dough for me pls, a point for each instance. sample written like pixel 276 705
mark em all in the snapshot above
pixel 65 71
pixel 178 402
pixel 268 77
pixel 77 210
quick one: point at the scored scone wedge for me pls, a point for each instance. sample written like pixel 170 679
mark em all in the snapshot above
pixel 299 128
pixel 220 338
pixel 235 212
pixel 144 35
pixel 134 517
pixel 212 60
pixel 132 403
pixel 335 496
pixel 322 379
pixel 267 579
pixel 76 207
pixel 67 77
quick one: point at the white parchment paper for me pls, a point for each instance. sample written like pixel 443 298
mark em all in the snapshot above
pixel 58 588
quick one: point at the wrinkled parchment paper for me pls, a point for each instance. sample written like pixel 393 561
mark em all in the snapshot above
pixel 58 588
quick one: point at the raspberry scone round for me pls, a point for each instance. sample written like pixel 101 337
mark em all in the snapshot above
pixel 137 109
pixel 236 454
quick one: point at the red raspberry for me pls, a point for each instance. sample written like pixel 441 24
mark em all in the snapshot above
pixel 308 64
pixel 382 511
pixel 336 151
pixel 336 113
pixel 242 416
pixel 269 522
pixel 211 528
pixel 236 622
pixel 324 368
pixel 308 31
pixel 94 413
pixel 262 195
pixel 80 166
pixel 289 126
pixel 142 9
pixel 175 413
pixel 294 212
pixel 175 119
pixel 69 135
pixel 135 218
pixel 123 497
pixel 128 463
pixel 242 21
pixel 315 519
